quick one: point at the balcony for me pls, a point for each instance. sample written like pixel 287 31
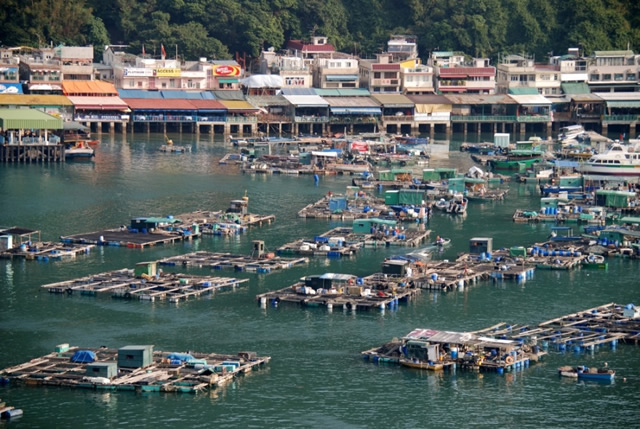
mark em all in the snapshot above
pixel 620 118
pixel 311 119
pixel 484 118
pixel 345 119
pixel 242 119
pixel 534 119
pixel 394 118
pixel 101 118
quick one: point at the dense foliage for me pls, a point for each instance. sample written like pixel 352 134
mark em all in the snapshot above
pixel 221 28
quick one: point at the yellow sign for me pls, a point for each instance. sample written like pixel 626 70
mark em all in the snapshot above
pixel 168 72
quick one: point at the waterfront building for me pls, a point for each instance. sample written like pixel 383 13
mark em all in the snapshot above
pixel 397 113
pixel 351 110
pixel 432 112
pixel 9 73
pixel 416 78
pixel 41 70
pixel 336 71
pixel 476 78
pixel 96 103
pixel 613 71
pixel 310 111
pixel 380 75
pixel 76 62
pixel 517 74
pixel 58 106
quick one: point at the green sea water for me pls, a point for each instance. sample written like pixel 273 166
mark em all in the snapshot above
pixel 316 377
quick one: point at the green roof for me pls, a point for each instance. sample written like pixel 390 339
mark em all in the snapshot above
pixel 523 91
pixel 576 88
pixel 32 119
pixel 630 219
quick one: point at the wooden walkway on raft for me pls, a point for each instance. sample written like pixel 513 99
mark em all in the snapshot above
pixel 406 237
pixel 123 238
pixel 206 371
pixel 124 284
pixel 583 331
pixel 383 292
pixel 355 208
pixel 47 251
pixel 219 261
pixel 315 248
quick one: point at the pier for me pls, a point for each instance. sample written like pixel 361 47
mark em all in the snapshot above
pixel 219 261
pixel 132 368
pixel 134 284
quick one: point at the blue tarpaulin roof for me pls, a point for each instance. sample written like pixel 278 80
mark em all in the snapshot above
pixel 183 357
pixel 188 95
pixel 566 164
pixel 83 356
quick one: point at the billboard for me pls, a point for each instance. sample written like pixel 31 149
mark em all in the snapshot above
pixel 167 72
pixel 226 70
pixel 137 72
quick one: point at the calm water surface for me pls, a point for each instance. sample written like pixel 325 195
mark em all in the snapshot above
pixel 316 377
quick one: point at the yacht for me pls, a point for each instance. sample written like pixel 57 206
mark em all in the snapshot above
pixel 617 161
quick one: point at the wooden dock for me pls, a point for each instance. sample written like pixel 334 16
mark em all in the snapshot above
pixel 355 208
pixel 125 284
pixel 220 261
pixel 31 153
pixel 166 372
pixel 377 291
pixel 47 251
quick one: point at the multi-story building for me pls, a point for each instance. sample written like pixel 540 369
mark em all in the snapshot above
pixel 76 62
pixel 319 46
pixel 477 77
pixel 520 75
pixel 402 48
pixel 446 59
pixel 337 71
pixel 380 75
pixel 416 78
pixel 9 73
pixel 41 70
pixel 613 71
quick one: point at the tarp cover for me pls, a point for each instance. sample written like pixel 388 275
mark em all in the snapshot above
pixel 262 81
pixel 83 356
pixel 182 357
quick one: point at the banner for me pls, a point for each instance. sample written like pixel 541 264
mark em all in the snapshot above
pixel 167 72
pixel 226 70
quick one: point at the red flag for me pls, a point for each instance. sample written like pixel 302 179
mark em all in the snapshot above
pixel 164 53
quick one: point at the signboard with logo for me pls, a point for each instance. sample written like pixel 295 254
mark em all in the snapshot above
pixel 165 72
pixel 226 70
pixel 137 72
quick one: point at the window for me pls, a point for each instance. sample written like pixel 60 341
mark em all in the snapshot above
pixel 376 75
pixel 514 78
pixel 606 76
pixel 594 77
pixel 631 76
pixel 618 77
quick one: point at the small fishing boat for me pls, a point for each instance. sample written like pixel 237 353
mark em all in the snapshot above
pixel 440 243
pixel 585 373
pixel 80 151
pixel 416 364
pixel 595 262
pixel 457 206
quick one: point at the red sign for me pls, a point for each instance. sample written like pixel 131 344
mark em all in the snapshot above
pixel 226 71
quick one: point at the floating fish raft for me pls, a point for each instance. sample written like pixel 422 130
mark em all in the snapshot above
pixel 46 251
pixel 124 238
pixel 127 284
pixel 219 261
pixel 340 207
pixel 132 368
pixel 349 292
pixel 405 237
pixel 582 331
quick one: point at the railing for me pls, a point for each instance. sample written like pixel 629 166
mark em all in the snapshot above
pixel 483 118
pixel 315 119
pixel 620 118
pixel 211 119
pixel 344 119
pixel 394 118
pixel 539 118
pixel 274 118
pixel 99 118
pixel 242 119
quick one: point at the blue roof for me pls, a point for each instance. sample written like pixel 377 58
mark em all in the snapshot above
pixel 566 164
pixel 138 93
pixel 189 95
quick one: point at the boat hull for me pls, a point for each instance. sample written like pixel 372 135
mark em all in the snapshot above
pixel 422 365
